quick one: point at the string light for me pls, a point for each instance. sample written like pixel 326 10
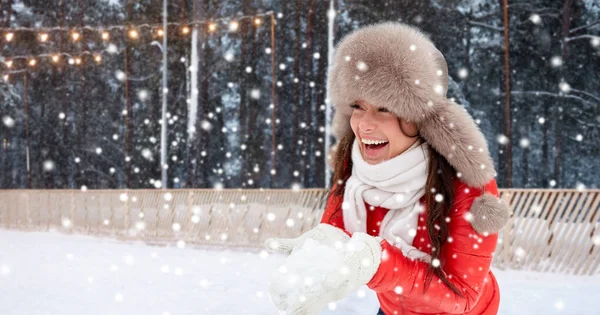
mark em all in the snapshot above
pixel 76 35
pixel 6 77
pixel 134 34
pixel 233 26
pixel 212 27
pixel 43 35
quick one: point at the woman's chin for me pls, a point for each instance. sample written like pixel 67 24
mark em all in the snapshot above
pixel 376 157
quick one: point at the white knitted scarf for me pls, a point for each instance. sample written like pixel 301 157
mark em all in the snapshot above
pixel 396 184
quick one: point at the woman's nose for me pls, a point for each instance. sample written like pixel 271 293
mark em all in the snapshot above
pixel 367 122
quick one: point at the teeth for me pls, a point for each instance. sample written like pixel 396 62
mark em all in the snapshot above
pixel 365 141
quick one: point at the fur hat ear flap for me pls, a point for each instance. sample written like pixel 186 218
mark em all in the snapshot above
pixel 489 214
pixel 453 133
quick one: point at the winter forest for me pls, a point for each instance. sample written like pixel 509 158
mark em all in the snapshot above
pixel 82 88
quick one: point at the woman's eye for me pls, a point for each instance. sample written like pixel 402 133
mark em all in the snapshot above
pixel 384 110
pixel 354 106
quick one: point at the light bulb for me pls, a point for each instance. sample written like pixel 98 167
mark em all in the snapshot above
pixel 55 58
pixel 32 62
pixel 233 26
pixel 105 35
pixel 75 36
pixel 9 64
pixel 43 37
pixel 134 34
pixel 212 27
pixel 98 58
pixel 160 32
pixel 185 30
pixel 257 21
pixel 9 36
pixel 78 60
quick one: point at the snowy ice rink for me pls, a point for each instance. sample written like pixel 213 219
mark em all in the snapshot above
pixel 51 273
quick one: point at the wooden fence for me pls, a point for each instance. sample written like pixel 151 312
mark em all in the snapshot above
pixel 549 230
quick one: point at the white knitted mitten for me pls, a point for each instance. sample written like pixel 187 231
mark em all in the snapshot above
pixel 323 233
pixel 315 274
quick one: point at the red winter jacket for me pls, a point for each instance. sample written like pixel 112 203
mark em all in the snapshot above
pixel 466 262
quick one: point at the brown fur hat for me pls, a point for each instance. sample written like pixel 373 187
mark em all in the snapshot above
pixel 396 66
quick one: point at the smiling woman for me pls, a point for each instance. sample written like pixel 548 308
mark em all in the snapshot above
pixel 381 134
pixel 414 200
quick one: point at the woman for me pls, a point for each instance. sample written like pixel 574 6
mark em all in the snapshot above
pixel 414 189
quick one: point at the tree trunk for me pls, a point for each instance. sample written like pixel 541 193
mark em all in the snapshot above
pixel 27 151
pixel 197 176
pixel 243 117
pixel 296 100
pixel 129 116
pixel 566 26
pixel 507 113
pixel 309 106
pixel 321 84
pixel 206 141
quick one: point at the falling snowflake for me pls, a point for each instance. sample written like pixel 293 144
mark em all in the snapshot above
pixel 255 94
pixel 120 75
pixel 556 61
pixel 8 121
pixel 564 87
pixel 66 223
pixel 229 56
pixel 362 66
pixel 49 165
pixel 535 19
pixel 520 252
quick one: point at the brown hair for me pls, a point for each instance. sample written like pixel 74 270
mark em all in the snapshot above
pixel 440 175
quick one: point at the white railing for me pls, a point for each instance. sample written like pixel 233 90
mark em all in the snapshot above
pixel 549 230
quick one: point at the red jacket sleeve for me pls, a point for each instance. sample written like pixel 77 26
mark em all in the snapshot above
pixel 333 211
pixel 465 261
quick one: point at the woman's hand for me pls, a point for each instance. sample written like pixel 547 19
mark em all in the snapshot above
pixel 316 273
pixel 323 233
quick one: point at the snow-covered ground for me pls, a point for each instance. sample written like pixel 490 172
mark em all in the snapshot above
pixel 51 273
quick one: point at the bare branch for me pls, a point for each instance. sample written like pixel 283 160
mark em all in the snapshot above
pixel 584 27
pixel 544 93
pixel 586 93
pixel 568 39
pixel 484 25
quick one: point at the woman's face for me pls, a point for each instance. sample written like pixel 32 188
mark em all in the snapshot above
pixel 378 132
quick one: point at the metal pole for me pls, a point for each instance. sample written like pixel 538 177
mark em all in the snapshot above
pixel 163 129
pixel 331 17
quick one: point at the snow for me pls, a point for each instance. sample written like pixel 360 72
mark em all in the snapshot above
pixel 51 273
